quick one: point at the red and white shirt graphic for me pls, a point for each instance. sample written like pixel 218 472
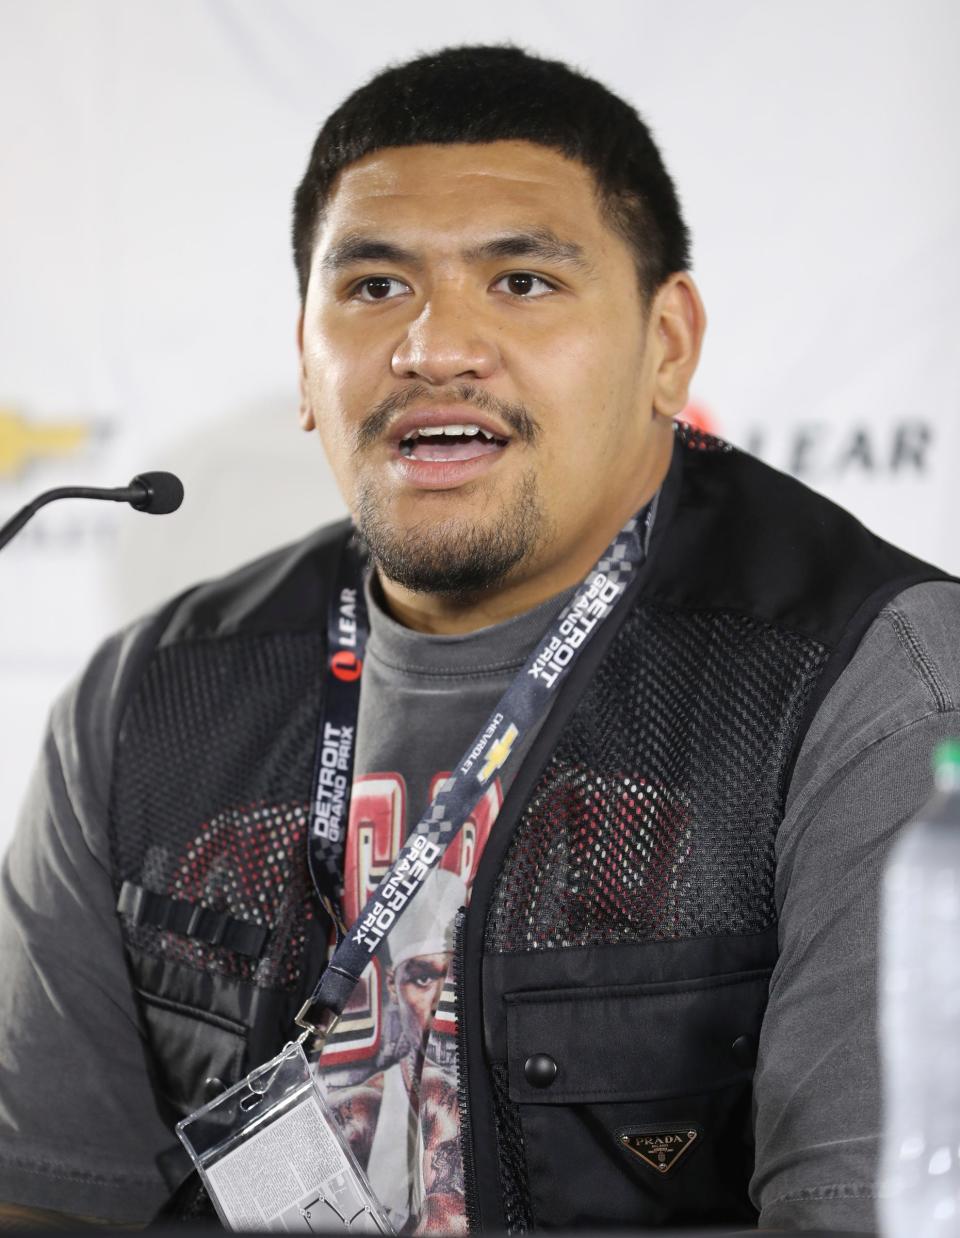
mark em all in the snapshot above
pixel 389 1070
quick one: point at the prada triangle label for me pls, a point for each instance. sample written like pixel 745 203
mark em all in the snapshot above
pixel 659 1148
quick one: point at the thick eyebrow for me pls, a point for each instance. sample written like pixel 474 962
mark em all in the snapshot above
pixel 540 244
pixel 356 248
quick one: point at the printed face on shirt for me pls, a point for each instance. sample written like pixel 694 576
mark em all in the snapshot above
pixel 492 392
pixel 417 984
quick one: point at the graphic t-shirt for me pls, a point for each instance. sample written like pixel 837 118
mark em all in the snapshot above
pixel 389 1071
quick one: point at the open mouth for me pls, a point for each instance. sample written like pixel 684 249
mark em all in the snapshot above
pixel 449 443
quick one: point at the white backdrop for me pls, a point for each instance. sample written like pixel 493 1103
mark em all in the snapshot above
pixel 147 298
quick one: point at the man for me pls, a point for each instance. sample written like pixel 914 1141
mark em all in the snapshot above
pixel 663 986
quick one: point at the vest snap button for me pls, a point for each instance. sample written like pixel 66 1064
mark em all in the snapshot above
pixel 540 1070
pixel 744 1051
pixel 212 1087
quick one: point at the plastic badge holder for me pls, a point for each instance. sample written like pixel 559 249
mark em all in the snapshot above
pixel 272 1157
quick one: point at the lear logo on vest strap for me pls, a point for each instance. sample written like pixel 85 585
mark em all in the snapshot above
pixel 658 1149
pixel 346 665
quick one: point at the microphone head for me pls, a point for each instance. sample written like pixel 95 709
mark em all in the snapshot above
pixel 162 493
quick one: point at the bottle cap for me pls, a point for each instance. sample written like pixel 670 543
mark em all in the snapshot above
pixel 946 763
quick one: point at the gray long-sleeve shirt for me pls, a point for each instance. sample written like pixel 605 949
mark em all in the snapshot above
pixel 79 1126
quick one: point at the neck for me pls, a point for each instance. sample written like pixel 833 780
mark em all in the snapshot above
pixel 443 615
pixel 455 615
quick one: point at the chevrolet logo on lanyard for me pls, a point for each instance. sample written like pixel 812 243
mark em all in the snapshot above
pixel 498 753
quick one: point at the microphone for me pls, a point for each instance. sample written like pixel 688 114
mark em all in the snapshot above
pixel 155 493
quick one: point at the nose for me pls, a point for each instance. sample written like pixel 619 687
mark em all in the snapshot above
pixel 445 342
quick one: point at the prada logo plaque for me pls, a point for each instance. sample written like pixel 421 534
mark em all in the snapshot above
pixel 659 1148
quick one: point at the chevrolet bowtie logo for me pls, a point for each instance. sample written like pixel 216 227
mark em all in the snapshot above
pixel 498 753
pixel 23 442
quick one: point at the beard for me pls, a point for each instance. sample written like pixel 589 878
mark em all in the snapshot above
pixel 456 557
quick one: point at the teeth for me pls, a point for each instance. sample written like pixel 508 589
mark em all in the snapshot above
pixel 439 431
pixel 452 431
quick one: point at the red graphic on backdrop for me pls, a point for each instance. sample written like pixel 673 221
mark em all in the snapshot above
pixel 700 417
pixel 346 665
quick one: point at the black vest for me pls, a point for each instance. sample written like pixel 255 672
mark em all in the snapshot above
pixel 622 922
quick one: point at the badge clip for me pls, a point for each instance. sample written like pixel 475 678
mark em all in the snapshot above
pixel 316 1021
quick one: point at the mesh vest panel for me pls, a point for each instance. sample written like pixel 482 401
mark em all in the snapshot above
pixel 212 793
pixel 656 816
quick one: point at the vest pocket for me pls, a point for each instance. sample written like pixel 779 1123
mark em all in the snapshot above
pixel 196 1026
pixel 635 1100
pixel 193 1049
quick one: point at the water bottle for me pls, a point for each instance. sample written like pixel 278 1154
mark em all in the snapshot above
pixel 920 1016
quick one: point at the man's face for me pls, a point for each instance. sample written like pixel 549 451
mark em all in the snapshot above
pixel 417 985
pixel 474 356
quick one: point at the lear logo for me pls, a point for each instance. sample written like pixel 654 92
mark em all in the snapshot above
pixel 498 753
pixel 22 442
pixel 825 449
pixel 346 665
pixel 659 1150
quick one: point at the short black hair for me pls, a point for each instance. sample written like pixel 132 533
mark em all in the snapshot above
pixel 497 93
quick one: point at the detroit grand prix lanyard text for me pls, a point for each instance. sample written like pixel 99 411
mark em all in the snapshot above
pixel 496 748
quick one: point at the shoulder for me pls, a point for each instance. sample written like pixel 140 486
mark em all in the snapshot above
pixel 738 535
pixel 909 660
pixel 925 622
pixel 285 590
pixel 282 592
pixel 905 670
pixel 357 1107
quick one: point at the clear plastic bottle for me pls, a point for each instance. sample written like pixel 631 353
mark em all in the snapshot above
pixel 920 1016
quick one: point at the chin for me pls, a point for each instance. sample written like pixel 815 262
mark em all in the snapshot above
pixel 461 564
pixel 453 555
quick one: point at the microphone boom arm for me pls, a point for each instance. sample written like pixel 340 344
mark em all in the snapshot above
pixel 140 494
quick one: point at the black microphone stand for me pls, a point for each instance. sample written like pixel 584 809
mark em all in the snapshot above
pixel 158 493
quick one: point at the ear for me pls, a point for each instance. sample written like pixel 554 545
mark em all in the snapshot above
pixel 677 324
pixel 307 420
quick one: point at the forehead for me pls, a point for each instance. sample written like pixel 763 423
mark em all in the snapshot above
pixel 463 190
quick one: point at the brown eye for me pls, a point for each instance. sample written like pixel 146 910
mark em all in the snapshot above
pixel 378 288
pixel 525 284
pixel 520 284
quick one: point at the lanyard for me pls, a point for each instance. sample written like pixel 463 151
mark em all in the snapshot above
pixel 347 630
pixel 498 747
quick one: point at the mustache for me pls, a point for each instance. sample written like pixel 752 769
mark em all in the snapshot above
pixel 514 416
